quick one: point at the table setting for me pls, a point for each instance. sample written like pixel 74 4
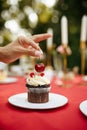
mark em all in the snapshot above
pixel 65 91
pixel 64 103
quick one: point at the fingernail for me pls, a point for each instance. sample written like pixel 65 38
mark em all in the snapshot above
pixel 41 51
pixel 38 47
pixel 38 53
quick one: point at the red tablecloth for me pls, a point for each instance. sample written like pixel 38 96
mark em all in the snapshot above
pixel 68 117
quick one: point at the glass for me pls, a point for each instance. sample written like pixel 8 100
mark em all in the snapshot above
pixel 3 71
pixel 58 63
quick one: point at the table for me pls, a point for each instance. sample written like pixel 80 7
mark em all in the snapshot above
pixel 68 117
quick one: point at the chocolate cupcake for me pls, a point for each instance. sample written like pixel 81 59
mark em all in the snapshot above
pixel 38 86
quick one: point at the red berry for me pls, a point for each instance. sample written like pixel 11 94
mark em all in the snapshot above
pixel 40 67
pixel 32 74
pixel 42 74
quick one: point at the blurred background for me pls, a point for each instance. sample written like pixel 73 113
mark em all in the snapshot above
pixel 29 17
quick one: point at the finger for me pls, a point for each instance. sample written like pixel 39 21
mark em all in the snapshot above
pixel 41 37
pixel 30 48
pixel 32 52
pixel 25 42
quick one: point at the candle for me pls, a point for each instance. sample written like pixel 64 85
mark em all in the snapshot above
pixel 50 40
pixel 83 28
pixel 64 30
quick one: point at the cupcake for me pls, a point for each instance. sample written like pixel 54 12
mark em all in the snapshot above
pixel 38 86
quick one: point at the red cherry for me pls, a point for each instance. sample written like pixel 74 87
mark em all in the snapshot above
pixel 40 67
pixel 32 74
pixel 42 74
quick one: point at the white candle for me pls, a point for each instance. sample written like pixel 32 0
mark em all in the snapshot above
pixel 50 40
pixel 64 30
pixel 83 28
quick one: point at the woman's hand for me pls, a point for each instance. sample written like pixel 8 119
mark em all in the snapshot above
pixel 22 46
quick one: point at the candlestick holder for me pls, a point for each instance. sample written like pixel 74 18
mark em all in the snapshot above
pixel 82 48
pixel 49 52
pixel 64 50
pixel 65 61
pixel 65 57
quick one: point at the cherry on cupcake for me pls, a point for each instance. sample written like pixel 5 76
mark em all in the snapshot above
pixel 42 74
pixel 40 67
pixel 32 74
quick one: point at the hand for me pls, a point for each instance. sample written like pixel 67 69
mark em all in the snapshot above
pixel 22 46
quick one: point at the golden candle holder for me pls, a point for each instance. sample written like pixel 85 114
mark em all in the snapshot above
pixel 65 57
pixel 82 48
pixel 49 55
pixel 64 50
pixel 65 62
pixel 48 59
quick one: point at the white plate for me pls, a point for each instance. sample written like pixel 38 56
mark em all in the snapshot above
pixel 83 107
pixel 55 100
pixel 9 80
pixel 85 78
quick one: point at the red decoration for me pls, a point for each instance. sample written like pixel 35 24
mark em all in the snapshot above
pixel 42 74
pixel 40 67
pixel 32 74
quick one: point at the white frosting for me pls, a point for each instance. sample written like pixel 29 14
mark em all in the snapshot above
pixel 37 80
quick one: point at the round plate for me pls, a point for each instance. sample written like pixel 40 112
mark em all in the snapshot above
pixel 9 80
pixel 83 107
pixel 55 100
pixel 85 78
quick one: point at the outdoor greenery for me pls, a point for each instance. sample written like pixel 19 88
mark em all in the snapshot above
pixel 19 12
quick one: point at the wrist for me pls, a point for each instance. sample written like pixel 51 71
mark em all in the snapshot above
pixel 3 55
